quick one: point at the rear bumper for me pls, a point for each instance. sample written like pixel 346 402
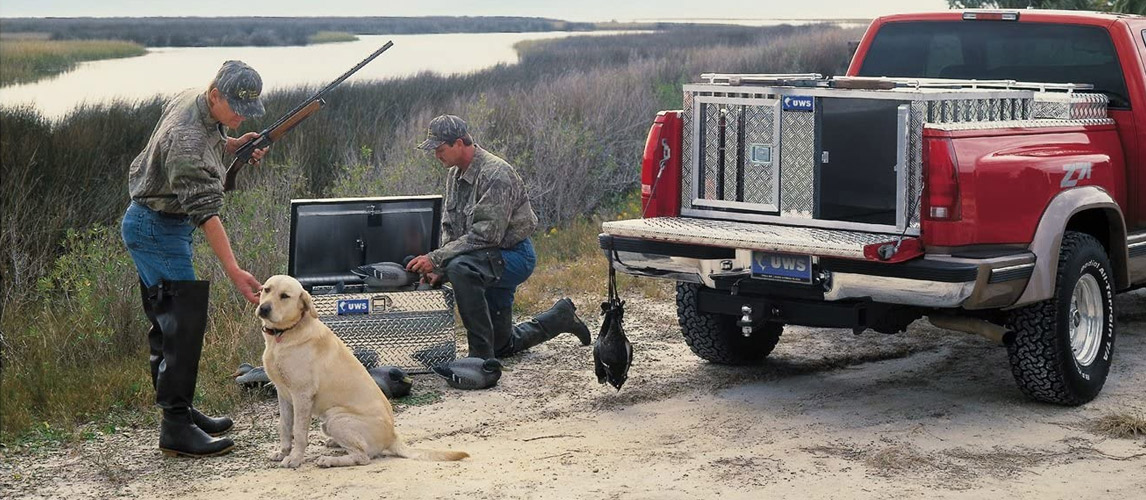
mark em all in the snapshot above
pixel 839 271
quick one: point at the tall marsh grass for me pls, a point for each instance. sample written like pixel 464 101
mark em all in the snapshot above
pixel 330 37
pixel 572 117
pixel 25 60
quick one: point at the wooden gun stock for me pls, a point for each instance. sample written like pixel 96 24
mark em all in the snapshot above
pixel 265 138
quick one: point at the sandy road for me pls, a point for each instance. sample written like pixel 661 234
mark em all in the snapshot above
pixel 829 415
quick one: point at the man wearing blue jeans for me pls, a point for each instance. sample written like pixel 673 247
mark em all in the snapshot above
pixel 486 251
pixel 176 186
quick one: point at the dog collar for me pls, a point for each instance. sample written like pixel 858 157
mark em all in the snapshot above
pixel 278 334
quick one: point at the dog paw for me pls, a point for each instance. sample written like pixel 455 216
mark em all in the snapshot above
pixel 292 461
pixel 278 456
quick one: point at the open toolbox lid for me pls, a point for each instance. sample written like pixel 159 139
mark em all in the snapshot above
pixel 329 237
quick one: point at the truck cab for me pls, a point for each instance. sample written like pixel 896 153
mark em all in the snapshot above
pixel 982 169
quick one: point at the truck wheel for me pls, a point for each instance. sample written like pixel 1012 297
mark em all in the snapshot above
pixel 1062 346
pixel 716 338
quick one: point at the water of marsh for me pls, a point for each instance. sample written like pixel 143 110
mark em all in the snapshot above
pixel 167 70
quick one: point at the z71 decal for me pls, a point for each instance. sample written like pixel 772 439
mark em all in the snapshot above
pixel 1075 172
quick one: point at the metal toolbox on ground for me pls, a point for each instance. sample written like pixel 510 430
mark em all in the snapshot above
pixel 410 326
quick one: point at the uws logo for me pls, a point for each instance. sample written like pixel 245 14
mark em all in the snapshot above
pixel 354 306
pixel 798 103
pixel 780 262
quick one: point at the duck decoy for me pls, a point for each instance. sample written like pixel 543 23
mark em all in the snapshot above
pixel 470 373
pixel 612 353
pixel 394 382
pixel 253 378
pixel 243 368
pixel 385 275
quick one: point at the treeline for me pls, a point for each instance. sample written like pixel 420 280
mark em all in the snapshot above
pixel 266 31
pixel 1121 6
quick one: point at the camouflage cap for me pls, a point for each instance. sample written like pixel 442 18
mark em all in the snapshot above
pixel 445 129
pixel 242 85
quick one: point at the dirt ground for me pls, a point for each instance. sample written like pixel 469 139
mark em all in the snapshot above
pixel 927 413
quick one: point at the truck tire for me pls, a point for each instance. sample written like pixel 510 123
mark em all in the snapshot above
pixel 716 338
pixel 1062 347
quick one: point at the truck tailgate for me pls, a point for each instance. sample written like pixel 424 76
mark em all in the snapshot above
pixel 749 236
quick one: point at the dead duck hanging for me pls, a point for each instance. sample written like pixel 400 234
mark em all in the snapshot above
pixel 612 353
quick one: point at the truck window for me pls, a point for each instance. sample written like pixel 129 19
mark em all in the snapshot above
pixel 984 50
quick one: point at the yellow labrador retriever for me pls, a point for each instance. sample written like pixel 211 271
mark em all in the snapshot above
pixel 316 374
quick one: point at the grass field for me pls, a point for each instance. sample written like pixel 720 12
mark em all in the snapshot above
pixel 25 60
pixel 331 37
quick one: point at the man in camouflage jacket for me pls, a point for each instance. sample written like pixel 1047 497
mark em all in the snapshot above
pixel 486 251
pixel 176 186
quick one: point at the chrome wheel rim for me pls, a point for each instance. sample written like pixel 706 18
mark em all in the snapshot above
pixel 1086 319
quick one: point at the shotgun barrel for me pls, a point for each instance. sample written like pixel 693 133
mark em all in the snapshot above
pixel 288 121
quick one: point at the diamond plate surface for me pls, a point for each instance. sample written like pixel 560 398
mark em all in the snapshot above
pixel 710 159
pixel 1021 124
pixel 1065 106
pixel 688 160
pixel 730 234
pixel 732 148
pixel 982 109
pixel 412 330
pixel 797 163
pixel 759 128
pixel 914 164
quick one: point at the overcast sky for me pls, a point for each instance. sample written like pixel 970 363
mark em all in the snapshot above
pixel 574 10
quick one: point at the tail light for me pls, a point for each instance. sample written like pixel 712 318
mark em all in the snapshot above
pixel 991 15
pixel 660 169
pixel 940 181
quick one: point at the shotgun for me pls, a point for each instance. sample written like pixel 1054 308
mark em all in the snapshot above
pixel 288 121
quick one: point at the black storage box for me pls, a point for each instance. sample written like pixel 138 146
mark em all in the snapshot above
pixel 411 327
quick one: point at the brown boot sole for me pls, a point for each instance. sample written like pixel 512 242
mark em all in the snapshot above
pixel 177 453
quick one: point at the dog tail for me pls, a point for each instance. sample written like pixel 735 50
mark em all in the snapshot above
pixel 400 449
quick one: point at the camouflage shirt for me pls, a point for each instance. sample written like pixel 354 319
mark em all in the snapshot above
pixel 181 169
pixel 486 206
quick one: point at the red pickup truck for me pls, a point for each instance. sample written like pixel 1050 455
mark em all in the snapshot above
pixel 983 169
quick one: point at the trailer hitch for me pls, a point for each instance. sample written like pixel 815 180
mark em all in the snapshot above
pixel 745 322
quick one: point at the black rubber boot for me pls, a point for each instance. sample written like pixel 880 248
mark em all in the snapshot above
pixel 212 426
pixel 155 334
pixel 215 426
pixel 470 274
pixel 180 309
pixel 561 318
pixel 503 332
pixel 179 436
